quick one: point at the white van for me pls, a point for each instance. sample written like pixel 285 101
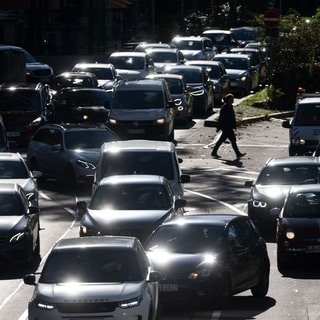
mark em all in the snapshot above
pixel 304 128
pixel 141 157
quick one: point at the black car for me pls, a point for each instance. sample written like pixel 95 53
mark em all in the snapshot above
pixel 209 257
pixel 274 181
pixel 82 105
pixel 25 107
pixel 19 226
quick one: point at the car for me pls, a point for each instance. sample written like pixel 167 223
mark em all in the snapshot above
pixel 24 107
pixel 141 157
pixel 132 65
pixel 68 152
pixel 242 72
pixel 217 74
pixel 180 93
pixel 201 87
pixel 207 258
pixel 163 57
pixel 245 35
pixel 95 277
pixel 258 60
pixel 195 47
pixel 132 205
pixel 35 71
pixel 14 169
pixel 73 79
pixel 4 143
pixel 19 226
pixel 273 182
pixel 223 40
pixel 143 46
pixel 82 105
pixel 106 73
pixel 142 109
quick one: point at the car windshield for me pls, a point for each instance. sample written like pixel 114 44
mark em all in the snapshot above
pixel 187 239
pixel 101 73
pixel 131 162
pixel 84 98
pixel 128 62
pixel 190 76
pixel 165 57
pixel 13 170
pixel 19 101
pixel 303 205
pixel 74 81
pixel 188 44
pixel 91 265
pixel 289 174
pixel 220 38
pixel 88 139
pixel 138 99
pixel 234 63
pixel 307 115
pixel 130 197
pixel 175 86
pixel 10 205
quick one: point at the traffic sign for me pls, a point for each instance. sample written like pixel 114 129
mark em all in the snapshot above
pixel 271 19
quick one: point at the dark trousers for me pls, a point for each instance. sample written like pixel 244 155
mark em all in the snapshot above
pixel 224 136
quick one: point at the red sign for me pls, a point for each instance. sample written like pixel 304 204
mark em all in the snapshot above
pixel 271 19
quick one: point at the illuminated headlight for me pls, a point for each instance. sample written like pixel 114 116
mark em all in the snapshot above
pixel 85 117
pixel 35 122
pixel 86 231
pixel 130 303
pixel 43 305
pixel 205 269
pixel 244 78
pixel 85 164
pixel 259 204
pixel 112 121
pixel 160 121
pixel 298 141
pixel 290 234
pixel 17 237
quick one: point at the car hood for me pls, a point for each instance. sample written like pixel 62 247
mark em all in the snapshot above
pixel 105 83
pixel 234 73
pixel 273 191
pixel 88 292
pixel 304 226
pixel 90 155
pixel 136 114
pixel 161 65
pixel 190 53
pixel 24 183
pixel 9 223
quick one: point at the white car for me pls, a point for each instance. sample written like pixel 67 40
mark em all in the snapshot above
pixel 95 278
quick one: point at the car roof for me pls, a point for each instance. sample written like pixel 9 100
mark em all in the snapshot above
pixel 183 67
pixel 10 156
pixel 111 242
pixel 292 161
pixel 203 62
pixel 93 65
pixel 174 50
pixel 128 53
pixel 232 55
pixel 249 50
pixel 165 76
pixel 79 74
pixel 138 146
pixel 132 179
pixel 74 89
pixel 186 38
pixel 143 84
pixel 216 31
pixel 21 86
pixel 305 188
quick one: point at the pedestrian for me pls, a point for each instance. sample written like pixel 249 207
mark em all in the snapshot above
pixel 227 124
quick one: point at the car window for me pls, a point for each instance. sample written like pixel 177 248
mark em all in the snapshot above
pixel 130 63
pixel 175 86
pixel 307 115
pixel 91 265
pixel 85 98
pixel 165 57
pixel 245 233
pixel 13 170
pixel 23 100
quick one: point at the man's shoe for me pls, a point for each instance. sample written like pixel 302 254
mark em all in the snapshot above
pixel 214 154
pixel 240 155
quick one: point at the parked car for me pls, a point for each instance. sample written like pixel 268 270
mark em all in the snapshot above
pixel 217 74
pixel 275 179
pixel 208 258
pixel 73 79
pixel 19 226
pixel 242 72
pixel 164 57
pixel 68 152
pixel 82 105
pixel 142 109
pixel 141 157
pixel 132 65
pixel 180 93
pixel 106 74
pixel 35 71
pixel 201 87
pixel 14 169
pixel 95 277
pixel 194 48
pixel 132 205
pixel 24 107
pixel 298 227
pixel 223 40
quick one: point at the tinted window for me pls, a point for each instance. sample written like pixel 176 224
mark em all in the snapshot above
pixel 131 63
pixel 84 98
pixel 19 100
pixel 307 115
pixel 13 170
pixel 10 205
pixel 165 57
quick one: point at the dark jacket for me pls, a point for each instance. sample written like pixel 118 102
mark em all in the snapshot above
pixel 227 118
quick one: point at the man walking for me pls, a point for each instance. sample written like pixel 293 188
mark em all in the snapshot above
pixel 227 124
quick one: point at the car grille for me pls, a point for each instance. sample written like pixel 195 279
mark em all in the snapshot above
pixel 136 123
pixel 100 307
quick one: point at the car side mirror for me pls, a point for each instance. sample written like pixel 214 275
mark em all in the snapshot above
pixel 185 178
pixel 156 276
pixel 249 183
pixel 33 210
pixel 180 203
pixel 171 104
pixel 286 124
pixel 81 208
pixel 30 279
pixel 275 212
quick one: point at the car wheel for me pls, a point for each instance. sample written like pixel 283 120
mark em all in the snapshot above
pixel 281 264
pixel 261 289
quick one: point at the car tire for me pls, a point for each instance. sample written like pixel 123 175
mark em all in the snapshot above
pixel 282 265
pixel 261 289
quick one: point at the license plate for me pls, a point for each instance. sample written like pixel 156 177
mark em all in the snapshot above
pixel 13 134
pixel 168 287
pixel 136 131
pixel 313 249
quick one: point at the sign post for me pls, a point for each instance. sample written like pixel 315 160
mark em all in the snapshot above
pixel 271 19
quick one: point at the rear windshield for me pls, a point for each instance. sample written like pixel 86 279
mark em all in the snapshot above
pixel 307 115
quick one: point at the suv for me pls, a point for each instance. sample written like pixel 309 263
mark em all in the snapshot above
pixel 95 278
pixel 24 108
pixel 143 109
pixel 141 157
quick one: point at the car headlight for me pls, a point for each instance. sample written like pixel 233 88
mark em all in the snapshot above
pixel 87 231
pixel 259 204
pixel 17 237
pixel 204 270
pixel 112 121
pixel 130 303
pixel 297 142
pixel 35 122
pixel 44 305
pixel 290 234
pixel 243 78
pixel 86 165
pixel 160 121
